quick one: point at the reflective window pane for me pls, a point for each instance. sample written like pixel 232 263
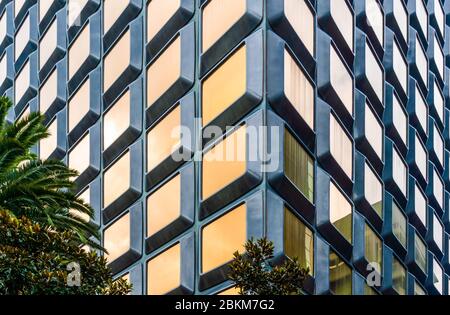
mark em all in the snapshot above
pixel 373 249
pixel 421 157
pixel 78 105
pixel 48 91
pixel 22 37
pixel 439 56
pixel 117 60
pixel 341 147
pixel 218 244
pixel 112 9
pixel 343 17
pixel 340 276
pixel 375 17
pixel 117 238
pixel 164 271
pixel 302 20
pixel 438 102
pixel 117 120
pixel 340 212
pixel 400 119
pixel 399 224
pixel 438 280
pixel 421 110
pixel 374 132
pixel 341 80
pixel 422 16
pixel 224 86
pixel 420 205
pixel 80 154
pixel 438 189
pixel 49 144
pixel 398 277
pixel 79 51
pixel 420 253
pixel 374 73
pixel 401 16
pixel 438 145
pixel 159 13
pixel 421 61
pixel 22 82
pixel 400 172
pixel 438 232
pixel 48 43
pixel 400 66
pixel 74 8
pixel 116 180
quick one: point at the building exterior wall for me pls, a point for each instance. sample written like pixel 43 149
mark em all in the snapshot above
pixel 355 98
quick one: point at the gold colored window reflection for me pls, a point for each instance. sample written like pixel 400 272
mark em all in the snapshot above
pixel 298 241
pixel 164 72
pixel 230 291
pixel 298 166
pixel 398 277
pixel 340 212
pixel 117 60
pixel 224 163
pixel 302 20
pixel 80 155
pixel 48 91
pixel 373 249
pixel 159 13
pixel 218 17
pixel 164 271
pixel 116 120
pixel 340 276
pixel 298 90
pixel 117 238
pixel 224 86
pixel 164 138
pixel 420 253
pixel 49 144
pixel 79 51
pixel 78 105
pixel 112 9
pixel 219 243
pixel 116 180
pixel 163 206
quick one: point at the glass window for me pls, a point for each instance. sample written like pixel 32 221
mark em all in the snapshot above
pixel 117 120
pixel 400 66
pixel 373 249
pixel 116 180
pixel 3 26
pixel 340 276
pixel 74 8
pixel 44 6
pixel 438 189
pixel 3 68
pixel 78 105
pixel 230 291
pixel 298 241
pixel 224 86
pixel 159 13
pixel 163 206
pixel 49 144
pixel 47 45
pixel 22 37
pixel 401 16
pixel 214 27
pixel 420 205
pixel 298 166
pixel 18 4
pixel 375 17
pixel 79 51
pixel 400 119
pixel 438 145
pixel 420 253
pixel 117 60
pixel 373 190
pixel 398 277
pixel 117 238
pixel 218 244
pixel 163 139
pixel 421 61
pixel 438 101
pixel 438 232
pixel 422 16
pixel 421 157
pixel 439 56
pixel 440 15
pixel 80 155
pixel 340 212
pixel 224 163
pixel 166 69
pixel 374 132
pixel 399 224
pixel 298 90
pixel 374 73
pixel 341 80
pixel 421 110
pixel 22 82
pixel 418 290
pixel 164 271
pixel 302 20
pixel 112 9
pixel 341 147
pixel 400 172
pixel 437 276
pixel 48 92
pixel 343 17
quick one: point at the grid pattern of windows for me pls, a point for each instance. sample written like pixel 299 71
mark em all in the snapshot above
pixel 360 160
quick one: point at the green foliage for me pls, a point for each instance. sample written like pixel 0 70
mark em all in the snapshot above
pixel 39 190
pixel 34 260
pixel 254 274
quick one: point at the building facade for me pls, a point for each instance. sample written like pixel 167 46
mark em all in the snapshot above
pixel 350 173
